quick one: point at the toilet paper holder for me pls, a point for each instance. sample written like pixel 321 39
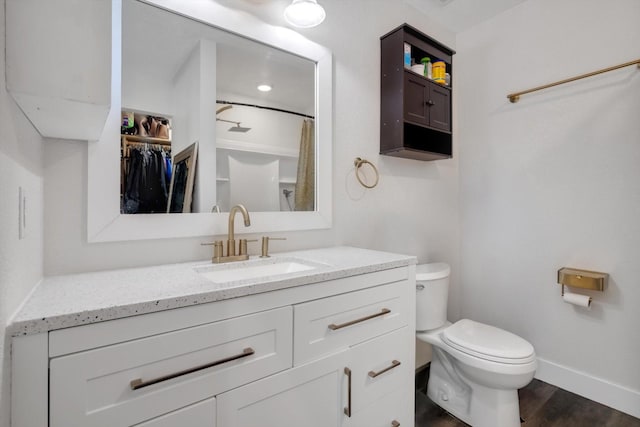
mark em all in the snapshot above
pixel 585 279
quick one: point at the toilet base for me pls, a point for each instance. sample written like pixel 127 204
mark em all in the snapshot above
pixel 473 403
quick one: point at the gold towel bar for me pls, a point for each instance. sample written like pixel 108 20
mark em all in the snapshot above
pixel 514 97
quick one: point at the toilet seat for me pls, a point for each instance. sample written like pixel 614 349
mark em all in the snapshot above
pixel 488 342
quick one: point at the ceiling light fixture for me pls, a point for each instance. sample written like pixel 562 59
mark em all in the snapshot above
pixel 264 88
pixel 304 13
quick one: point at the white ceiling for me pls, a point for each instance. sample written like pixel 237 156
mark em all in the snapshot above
pixel 460 15
pixel 456 15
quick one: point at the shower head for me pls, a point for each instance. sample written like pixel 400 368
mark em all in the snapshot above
pixel 238 128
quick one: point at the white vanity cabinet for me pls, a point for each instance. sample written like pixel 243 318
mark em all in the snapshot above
pixel 333 353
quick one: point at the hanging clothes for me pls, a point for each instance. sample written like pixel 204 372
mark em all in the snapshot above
pixel 146 189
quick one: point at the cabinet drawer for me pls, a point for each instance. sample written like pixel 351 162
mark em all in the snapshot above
pixel 380 367
pixel 201 414
pixel 173 370
pixel 330 324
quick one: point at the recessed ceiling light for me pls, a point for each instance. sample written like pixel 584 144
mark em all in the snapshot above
pixel 264 88
pixel 304 13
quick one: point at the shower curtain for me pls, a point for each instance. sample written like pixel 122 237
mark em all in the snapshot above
pixel 305 182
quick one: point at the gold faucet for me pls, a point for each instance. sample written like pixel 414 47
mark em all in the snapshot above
pixel 231 241
pixel 218 253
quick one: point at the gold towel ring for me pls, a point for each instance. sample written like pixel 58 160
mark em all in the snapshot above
pixel 358 162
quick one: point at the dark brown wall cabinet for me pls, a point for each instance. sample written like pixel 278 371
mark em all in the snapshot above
pixel 415 112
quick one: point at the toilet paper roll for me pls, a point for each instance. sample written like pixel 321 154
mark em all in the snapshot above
pixel 577 299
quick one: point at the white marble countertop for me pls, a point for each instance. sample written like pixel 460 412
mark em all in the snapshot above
pixel 72 300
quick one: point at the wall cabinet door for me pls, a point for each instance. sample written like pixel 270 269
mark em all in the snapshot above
pixel 311 395
pixel 416 99
pixel 426 103
pixel 439 105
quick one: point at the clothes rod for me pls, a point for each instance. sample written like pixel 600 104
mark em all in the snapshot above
pixel 265 108
pixel 515 97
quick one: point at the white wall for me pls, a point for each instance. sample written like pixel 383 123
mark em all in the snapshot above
pixel 554 181
pixel 20 260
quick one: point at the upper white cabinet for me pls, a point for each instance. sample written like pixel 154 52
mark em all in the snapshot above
pixel 58 64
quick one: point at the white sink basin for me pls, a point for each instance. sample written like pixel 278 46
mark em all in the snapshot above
pixel 255 269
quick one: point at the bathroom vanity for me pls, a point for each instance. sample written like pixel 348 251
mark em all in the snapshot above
pixel 323 338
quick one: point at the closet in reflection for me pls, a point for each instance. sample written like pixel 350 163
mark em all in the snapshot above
pixel 196 89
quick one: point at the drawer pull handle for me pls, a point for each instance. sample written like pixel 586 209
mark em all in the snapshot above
pixel 334 327
pixel 347 410
pixel 373 374
pixel 138 383
pixel 394 423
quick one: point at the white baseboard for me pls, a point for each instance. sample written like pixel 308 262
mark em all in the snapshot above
pixel 613 395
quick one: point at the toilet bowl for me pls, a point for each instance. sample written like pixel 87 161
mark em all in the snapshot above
pixel 476 369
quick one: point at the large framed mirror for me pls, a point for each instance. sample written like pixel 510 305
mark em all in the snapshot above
pixel 195 66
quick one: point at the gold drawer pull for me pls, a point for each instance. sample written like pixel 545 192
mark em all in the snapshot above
pixel 347 410
pixel 138 383
pixel 334 327
pixel 373 374
pixel 394 423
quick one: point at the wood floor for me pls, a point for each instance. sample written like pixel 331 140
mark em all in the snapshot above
pixel 541 405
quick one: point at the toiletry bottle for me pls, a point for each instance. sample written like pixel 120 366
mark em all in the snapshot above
pixel 427 67
pixel 407 55
pixel 439 72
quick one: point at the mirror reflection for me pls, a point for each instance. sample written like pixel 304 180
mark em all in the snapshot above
pixel 189 89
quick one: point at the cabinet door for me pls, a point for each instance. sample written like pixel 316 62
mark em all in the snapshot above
pixel 381 366
pixel 416 107
pixel 311 395
pixel 394 410
pixel 201 414
pixel 439 102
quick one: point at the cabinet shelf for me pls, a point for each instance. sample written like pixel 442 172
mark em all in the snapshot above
pixel 415 111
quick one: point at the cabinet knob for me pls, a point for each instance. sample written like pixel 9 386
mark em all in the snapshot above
pixel 430 103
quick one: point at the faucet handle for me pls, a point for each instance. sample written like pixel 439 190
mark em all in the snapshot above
pixel 243 245
pixel 265 245
pixel 217 248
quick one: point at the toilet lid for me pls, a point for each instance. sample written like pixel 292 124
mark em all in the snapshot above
pixel 488 342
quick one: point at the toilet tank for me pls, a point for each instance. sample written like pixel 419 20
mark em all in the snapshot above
pixel 432 290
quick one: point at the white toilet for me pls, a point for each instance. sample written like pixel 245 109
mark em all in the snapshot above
pixel 476 369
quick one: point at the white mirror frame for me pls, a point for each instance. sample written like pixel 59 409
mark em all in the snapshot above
pixel 104 221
